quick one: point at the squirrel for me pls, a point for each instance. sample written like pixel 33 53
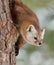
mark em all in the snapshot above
pixel 27 24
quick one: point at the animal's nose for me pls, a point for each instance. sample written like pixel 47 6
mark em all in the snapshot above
pixel 39 43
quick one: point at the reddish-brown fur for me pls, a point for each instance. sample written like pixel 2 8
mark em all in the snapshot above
pixel 22 18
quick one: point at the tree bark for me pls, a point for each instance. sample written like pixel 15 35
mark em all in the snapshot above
pixel 8 35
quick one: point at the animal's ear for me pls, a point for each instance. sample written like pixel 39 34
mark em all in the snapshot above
pixel 42 33
pixel 29 28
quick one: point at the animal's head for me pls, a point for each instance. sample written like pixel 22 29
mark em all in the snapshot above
pixel 34 36
pixel 31 32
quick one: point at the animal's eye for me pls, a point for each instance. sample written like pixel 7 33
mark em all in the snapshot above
pixel 30 29
pixel 35 38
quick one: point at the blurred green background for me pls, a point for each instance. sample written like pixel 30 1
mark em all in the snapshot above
pixel 44 55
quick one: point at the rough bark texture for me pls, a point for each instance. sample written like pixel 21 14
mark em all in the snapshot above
pixel 8 35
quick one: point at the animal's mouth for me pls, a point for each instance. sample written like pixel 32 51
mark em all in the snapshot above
pixel 35 43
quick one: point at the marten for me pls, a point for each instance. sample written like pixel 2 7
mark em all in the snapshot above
pixel 27 24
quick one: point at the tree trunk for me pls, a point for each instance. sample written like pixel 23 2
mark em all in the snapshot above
pixel 8 35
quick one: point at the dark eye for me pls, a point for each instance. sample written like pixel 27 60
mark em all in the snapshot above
pixel 30 29
pixel 35 38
